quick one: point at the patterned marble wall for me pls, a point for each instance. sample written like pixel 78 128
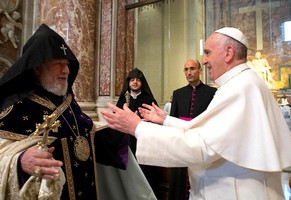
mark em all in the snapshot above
pixel 124 44
pixel 105 48
pixel 76 21
pixel 116 50
pixel 92 29
pixel 119 36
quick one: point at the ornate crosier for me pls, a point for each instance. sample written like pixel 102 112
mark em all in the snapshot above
pixel 49 124
pixel 127 98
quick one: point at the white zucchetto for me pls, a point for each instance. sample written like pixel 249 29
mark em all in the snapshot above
pixel 235 34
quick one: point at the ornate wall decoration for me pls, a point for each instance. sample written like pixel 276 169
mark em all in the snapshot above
pixel 263 23
pixel 10 22
pixel 10 32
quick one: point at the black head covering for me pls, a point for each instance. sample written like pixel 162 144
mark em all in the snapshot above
pixel 44 45
pixel 136 73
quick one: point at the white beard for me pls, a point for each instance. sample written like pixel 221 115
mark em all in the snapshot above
pixel 52 86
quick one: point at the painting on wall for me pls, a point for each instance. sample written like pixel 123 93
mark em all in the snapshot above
pixel 267 25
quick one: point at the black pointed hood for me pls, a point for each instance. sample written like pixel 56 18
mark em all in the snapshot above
pixel 44 45
pixel 136 73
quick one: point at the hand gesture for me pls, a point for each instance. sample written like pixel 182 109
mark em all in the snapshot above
pixel 152 113
pixel 124 120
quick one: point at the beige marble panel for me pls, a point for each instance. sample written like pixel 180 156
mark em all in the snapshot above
pixel 124 44
pixel 76 22
pixel 120 47
pixel 130 46
pixel 105 48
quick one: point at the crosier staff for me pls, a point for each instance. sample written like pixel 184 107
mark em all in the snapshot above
pixel 49 124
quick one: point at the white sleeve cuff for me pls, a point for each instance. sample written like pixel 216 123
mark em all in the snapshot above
pixel 139 128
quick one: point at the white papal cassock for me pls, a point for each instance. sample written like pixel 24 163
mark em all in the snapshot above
pixel 236 149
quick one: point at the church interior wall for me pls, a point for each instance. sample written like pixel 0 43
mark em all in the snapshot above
pixel 167 35
pixel 263 24
pixel 109 40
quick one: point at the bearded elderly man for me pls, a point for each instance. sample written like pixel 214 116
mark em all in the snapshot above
pixel 61 165
pixel 235 149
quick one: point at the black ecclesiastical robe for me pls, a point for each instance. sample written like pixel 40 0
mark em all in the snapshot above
pixel 180 108
pixel 79 145
pixel 153 174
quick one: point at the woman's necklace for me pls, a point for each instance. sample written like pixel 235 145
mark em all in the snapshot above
pixel 81 144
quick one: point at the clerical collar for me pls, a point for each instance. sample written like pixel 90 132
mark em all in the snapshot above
pixel 197 86
pixel 134 96
pixel 227 76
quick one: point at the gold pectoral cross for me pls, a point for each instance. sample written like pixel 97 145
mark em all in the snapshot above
pixel 49 124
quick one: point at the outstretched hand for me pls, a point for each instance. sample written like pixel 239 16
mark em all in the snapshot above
pixel 152 113
pixel 124 120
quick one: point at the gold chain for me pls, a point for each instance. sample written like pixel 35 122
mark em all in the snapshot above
pixel 75 122
pixel 81 144
pixel 71 110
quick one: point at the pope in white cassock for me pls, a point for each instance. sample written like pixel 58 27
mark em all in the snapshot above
pixel 237 148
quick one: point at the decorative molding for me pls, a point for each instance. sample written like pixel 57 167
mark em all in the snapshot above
pixel 26 9
pixel 140 4
pixel 284 78
pixel 89 108
pixel 102 104
pixel 29 19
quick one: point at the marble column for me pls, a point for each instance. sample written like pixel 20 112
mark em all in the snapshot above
pixel 124 43
pixel 76 22
pixel 116 50
pixel 100 33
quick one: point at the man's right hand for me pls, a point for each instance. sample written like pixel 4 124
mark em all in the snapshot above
pixel 40 163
